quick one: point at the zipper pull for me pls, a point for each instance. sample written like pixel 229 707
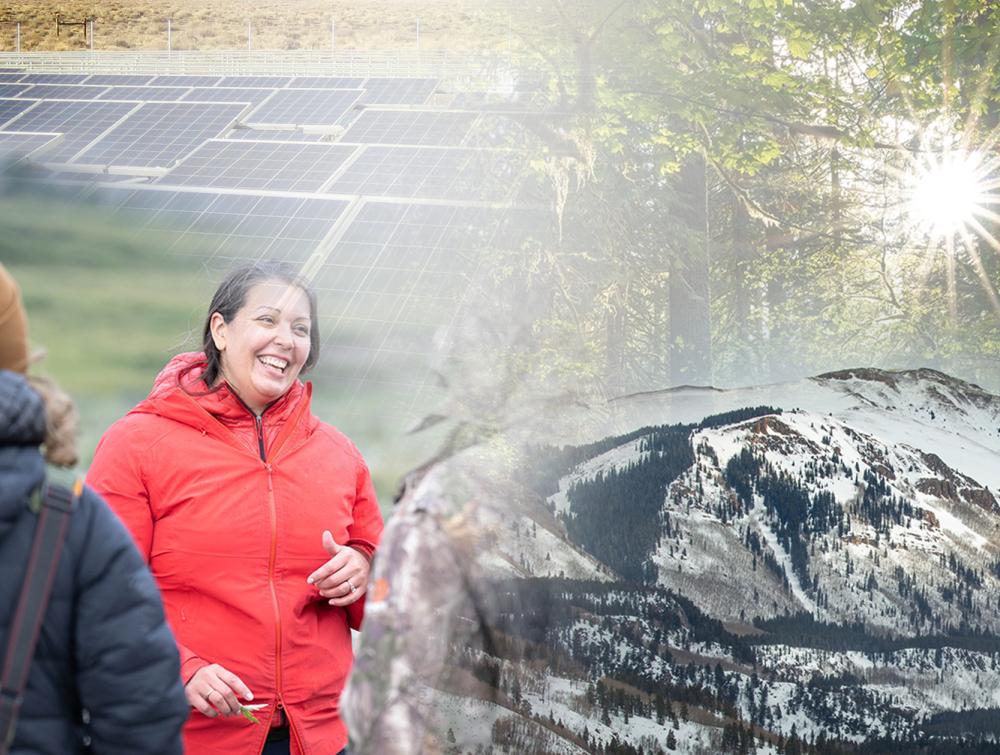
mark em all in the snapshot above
pixel 259 424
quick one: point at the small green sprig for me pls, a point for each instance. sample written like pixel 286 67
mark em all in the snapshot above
pixel 248 710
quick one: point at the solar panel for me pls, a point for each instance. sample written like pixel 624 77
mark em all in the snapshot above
pixel 432 173
pixel 13 90
pixel 525 102
pixel 407 238
pixel 15 146
pixel 159 134
pixel 79 122
pixel 185 81
pixel 63 91
pixel 227 94
pixel 326 82
pixel 398 91
pixel 11 108
pixel 283 135
pixel 507 130
pixel 254 81
pixel 120 79
pixel 395 277
pixel 272 166
pixel 146 94
pixel 10 77
pixel 228 226
pixel 409 127
pixel 394 270
pixel 55 78
pixel 305 107
pixel 89 178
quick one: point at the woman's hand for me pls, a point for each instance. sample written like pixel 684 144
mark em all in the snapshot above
pixel 344 578
pixel 213 690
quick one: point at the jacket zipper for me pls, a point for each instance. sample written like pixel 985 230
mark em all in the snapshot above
pixel 272 557
pixel 280 709
pixel 259 424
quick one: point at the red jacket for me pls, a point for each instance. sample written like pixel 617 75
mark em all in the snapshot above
pixel 229 513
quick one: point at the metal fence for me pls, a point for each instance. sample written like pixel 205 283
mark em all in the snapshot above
pixel 466 69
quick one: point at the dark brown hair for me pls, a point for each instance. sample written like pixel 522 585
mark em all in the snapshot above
pixel 230 297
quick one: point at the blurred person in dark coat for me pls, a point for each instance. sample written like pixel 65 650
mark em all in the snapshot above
pixel 105 675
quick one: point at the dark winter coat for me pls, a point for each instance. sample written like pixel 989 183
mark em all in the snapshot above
pixel 104 647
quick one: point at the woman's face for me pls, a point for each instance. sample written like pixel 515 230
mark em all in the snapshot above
pixel 266 343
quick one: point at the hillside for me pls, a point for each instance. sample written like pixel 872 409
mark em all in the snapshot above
pixel 294 25
pixel 813 565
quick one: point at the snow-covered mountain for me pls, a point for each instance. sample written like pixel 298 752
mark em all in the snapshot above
pixel 926 409
pixel 815 562
pixel 869 518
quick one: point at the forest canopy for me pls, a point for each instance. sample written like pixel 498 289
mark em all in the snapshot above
pixel 749 191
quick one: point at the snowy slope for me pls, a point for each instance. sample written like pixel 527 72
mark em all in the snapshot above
pixel 896 557
pixel 943 538
pixel 529 542
pixel 957 421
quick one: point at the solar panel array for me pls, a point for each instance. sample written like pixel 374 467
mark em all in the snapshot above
pixel 144 93
pixel 13 90
pixel 326 82
pixel 81 123
pixel 229 226
pixel 305 107
pixel 55 78
pixel 185 81
pixel 390 200
pixel 398 91
pixel 11 108
pixel 265 165
pixel 120 79
pixel 15 146
pixel 160 133
pixel 227 94
pixel 280 135
pixel 420 127
pixel 411 172
pixel 63 92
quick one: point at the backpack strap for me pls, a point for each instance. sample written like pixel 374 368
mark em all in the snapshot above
pixel 50 534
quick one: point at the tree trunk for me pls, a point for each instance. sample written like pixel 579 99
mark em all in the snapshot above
pixel 690 320
pixel 614 366
pixel 777 297
pixel 742 295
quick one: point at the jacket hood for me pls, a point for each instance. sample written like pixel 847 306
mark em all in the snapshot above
pixel 22 430
pixel 179 393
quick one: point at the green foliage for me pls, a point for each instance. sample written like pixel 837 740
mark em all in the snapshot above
pixel 809 119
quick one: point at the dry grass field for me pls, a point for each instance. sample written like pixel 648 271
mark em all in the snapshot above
pixel 274 25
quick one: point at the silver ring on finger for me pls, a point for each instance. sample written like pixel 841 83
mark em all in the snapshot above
pixel 351 585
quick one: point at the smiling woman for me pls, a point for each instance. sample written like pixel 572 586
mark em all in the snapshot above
pixel 260 348
pixel 258 521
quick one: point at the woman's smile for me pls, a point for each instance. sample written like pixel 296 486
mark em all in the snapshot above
pixel 265 345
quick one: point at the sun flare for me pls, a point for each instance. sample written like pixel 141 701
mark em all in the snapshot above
pixel 951 191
